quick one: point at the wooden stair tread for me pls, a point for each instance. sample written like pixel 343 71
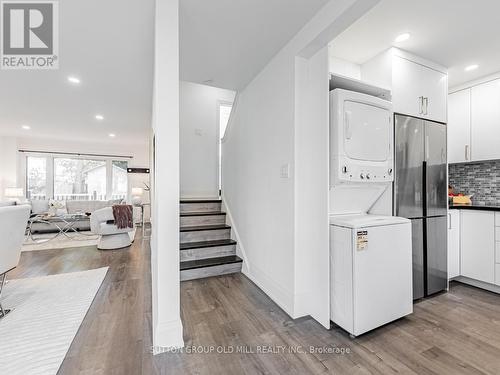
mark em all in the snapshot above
pixel 202 213
pixel 202 244
pixel 210 262
pixel 204 227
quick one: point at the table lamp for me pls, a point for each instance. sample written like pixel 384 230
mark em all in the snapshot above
pixel 14 194
pixel 137 196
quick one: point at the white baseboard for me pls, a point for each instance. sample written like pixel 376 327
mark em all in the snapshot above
pixel 278 294
pixel 167 337
pixel 478 284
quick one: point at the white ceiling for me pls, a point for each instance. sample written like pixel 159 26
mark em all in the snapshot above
pixel 230 41
pixel 453 33
pixel 109 46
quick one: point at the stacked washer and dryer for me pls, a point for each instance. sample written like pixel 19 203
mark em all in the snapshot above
pixel 370 250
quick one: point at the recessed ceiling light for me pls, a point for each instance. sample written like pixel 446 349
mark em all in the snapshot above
pixel 112 135
pixel 402 37
pixel 74 79
pixel 471 67
pixel 26 127
pixel 99 117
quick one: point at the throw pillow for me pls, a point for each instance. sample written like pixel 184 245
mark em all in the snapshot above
pixel 39 206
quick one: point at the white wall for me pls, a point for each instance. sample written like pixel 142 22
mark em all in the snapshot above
pixel 8 164
pixel 261 140
pixel 343 67
pixel 312 284
pixel 165 275
pixel 199 138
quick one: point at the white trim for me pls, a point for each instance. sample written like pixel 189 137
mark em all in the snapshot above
pixel 168 337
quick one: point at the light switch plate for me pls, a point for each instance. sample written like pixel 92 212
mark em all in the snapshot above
pixel 285 171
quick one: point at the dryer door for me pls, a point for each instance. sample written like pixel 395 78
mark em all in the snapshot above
pixel 367 132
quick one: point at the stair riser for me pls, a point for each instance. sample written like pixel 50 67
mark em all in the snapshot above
pixel 200 207
pixel 200 273
pixel 191 221
pixel 205 235
pixel 208 252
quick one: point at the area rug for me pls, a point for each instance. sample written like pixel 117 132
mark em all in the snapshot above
pixel 60 242
pixel 46 314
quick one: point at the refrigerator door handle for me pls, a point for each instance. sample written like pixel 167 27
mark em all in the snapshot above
pixel 426 105
pixel 466 152
pixel 426 147
pixel 420 104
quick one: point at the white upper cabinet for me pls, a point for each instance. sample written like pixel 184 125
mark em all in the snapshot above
pixel 418 90
pixel 419 87
pixel 485 125
pixel 459 127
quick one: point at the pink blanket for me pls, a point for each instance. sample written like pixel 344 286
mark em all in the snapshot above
pixel 123 215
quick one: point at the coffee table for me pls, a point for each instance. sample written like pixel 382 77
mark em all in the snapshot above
pixel 64 224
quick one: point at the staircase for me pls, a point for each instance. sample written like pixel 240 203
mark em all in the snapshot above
pixel 206 245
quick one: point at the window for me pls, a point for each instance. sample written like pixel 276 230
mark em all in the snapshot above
pixel 74 178
pixel 79 179
pixel 224 113
pixel 120 180
pixel 36 177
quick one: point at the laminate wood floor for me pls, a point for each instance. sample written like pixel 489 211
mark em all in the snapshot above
pixel 453 333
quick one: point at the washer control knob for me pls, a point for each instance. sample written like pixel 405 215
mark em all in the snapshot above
pixel 362 176
pixel 368 176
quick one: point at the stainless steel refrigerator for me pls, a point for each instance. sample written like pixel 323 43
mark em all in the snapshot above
pixel 421 194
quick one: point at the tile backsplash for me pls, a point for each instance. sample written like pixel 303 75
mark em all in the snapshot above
pixel 481 179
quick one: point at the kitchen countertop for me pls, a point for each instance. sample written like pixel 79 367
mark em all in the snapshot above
pixel 474 206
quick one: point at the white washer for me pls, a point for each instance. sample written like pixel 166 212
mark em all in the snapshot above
pixel 370 271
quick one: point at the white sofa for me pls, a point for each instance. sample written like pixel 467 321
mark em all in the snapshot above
pixel 70 207
pixel 111 237
pixel 12 228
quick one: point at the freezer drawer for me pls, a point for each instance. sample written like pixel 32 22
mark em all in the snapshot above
pixel 437 254
pixel 417 236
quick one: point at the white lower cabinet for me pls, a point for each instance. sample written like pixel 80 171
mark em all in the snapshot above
pixel 478 245
pixel 453 243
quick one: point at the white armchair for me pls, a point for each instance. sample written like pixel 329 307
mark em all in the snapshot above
pixel 13 221
pixel 111 236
